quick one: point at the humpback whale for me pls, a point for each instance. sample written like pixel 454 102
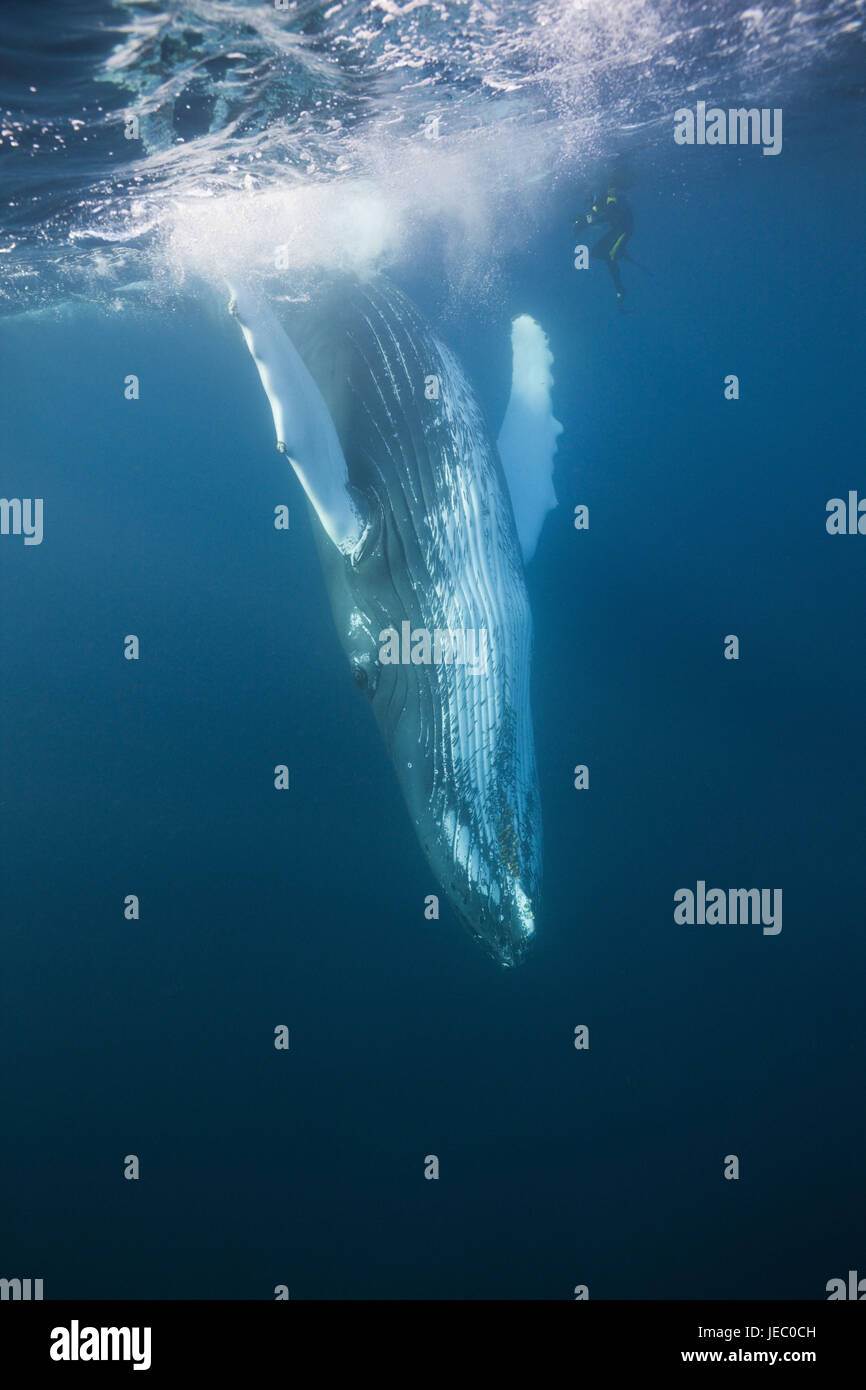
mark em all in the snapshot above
pixel 417 533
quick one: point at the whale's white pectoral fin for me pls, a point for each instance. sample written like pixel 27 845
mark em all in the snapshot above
pixel 527 440
pixel 303 424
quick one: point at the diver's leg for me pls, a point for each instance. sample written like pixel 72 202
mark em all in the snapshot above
pixel 601 250
pixel 614 256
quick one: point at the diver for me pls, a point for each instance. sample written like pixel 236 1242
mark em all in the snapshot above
pixel 611 206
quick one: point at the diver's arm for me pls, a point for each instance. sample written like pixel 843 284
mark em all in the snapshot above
pixel 592 218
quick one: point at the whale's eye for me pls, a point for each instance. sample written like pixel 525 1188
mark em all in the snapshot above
pixel 364 678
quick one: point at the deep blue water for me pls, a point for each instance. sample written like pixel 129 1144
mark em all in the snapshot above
pixel 558 1167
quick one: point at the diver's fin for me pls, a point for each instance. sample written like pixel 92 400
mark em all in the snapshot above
pixel 305 430
pixel 527 440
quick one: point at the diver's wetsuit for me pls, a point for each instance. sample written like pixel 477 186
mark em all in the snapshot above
pixel 612 207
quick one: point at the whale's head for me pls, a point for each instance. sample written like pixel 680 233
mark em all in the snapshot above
pixel 460 742
pixel 493 887
pixel 483 846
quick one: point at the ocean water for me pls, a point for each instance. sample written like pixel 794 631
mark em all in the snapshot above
pixel 558 1167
